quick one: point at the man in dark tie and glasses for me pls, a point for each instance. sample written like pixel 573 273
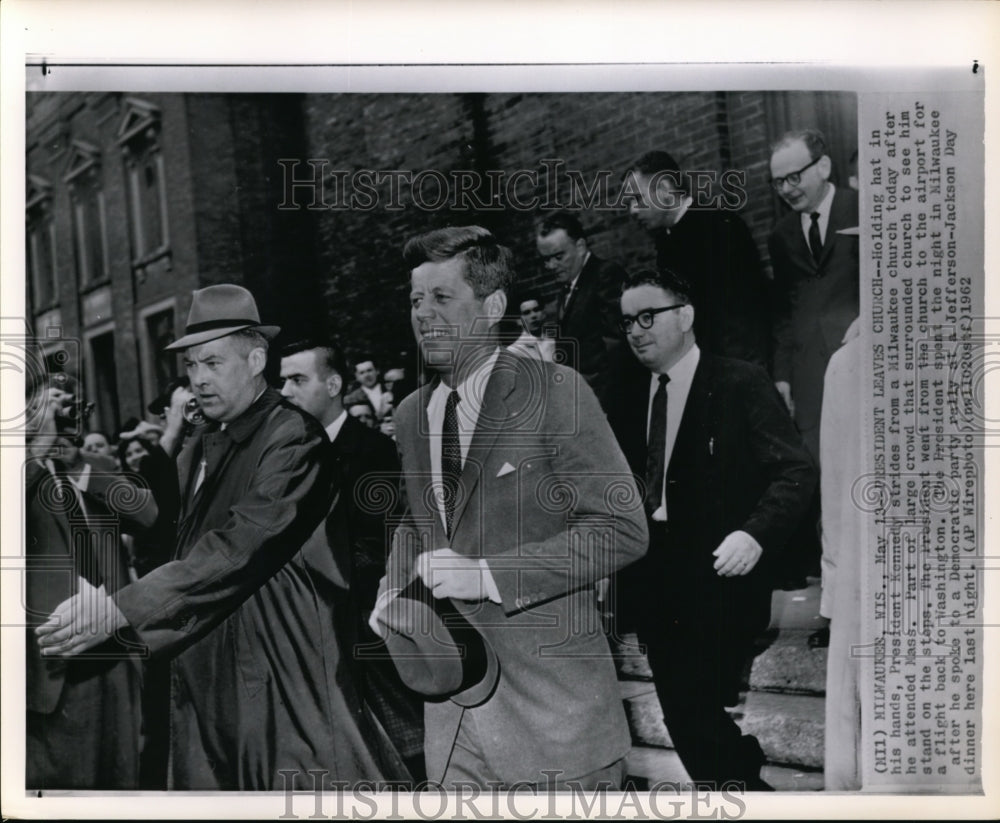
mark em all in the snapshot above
pixel 726 480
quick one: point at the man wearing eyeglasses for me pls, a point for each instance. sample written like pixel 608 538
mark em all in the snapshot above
pixel 815 274
pixel 726 480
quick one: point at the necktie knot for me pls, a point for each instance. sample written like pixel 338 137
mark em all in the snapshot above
pixel 814 216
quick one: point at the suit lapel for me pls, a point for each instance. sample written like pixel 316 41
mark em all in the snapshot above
pixel 840 218
pixel 493 416
pixel 798 248
pixel 694 416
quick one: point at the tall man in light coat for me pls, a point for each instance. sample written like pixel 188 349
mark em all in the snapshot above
pixel 247 613
pixel 533 503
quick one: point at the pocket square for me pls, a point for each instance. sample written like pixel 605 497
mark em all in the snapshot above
pixel 506 468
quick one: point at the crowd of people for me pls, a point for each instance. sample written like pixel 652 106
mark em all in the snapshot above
pixel 409 579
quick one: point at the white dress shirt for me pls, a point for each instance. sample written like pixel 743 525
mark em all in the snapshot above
pixel 824 216
pixel 681 375
pixel 470 392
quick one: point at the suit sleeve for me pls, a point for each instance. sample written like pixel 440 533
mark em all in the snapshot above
pixel 181 601
pixel 133 502
pixel 604 528
pixel 778 450
pixel 610 289
pixel 746 329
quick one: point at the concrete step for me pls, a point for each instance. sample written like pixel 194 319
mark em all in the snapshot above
pixel 789 665
pixel 648 766
pixel 788 726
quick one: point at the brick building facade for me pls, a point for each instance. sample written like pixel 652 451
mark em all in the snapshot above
pixel 133 200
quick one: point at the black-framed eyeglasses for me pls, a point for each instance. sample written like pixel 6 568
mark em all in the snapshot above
pixel 793 178
pixel 645 317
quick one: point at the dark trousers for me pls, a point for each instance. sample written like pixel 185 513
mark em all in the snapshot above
pixel 699 633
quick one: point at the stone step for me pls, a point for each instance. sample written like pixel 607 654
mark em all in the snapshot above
pixel 648 766
pixel 788 726
pixel 789 665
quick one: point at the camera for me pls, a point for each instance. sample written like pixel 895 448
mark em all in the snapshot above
pixel 75 410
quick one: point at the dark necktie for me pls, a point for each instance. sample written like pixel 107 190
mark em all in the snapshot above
pixel 656 447
pixel 815 242
pixel 567 295
pixel 451 457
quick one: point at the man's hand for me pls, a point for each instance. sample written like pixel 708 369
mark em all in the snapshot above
pixel 448 574
pixel 49 402
pixel 737 555
pixel 83 621
pixel 785 390
pixel 144 431
pixel 382 599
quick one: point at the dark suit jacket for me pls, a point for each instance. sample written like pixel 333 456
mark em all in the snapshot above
pixel 737 464
pixel 547 498
pixel 588 326
pixel 715 252
pixel 813 306
pixel 366 473
pixel 52 517
pixel 84 712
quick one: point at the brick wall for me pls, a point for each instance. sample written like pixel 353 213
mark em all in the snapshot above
pixel 364 279
pixel 338 268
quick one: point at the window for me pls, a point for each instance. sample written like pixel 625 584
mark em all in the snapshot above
pixel 83 177
pixel 102 379
pixel 139 138
pixel 156 331
pixel 40 243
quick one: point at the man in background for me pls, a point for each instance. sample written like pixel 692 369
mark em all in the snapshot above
pixel 587 307
pixel 533 342
pixel 726 481
pixel 355 530
pixel 712 249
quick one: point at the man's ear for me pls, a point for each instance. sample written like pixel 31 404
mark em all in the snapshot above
pixel 495 305
pixel 334 383
pixel 257 360
pixel 687 317
pixel 825 166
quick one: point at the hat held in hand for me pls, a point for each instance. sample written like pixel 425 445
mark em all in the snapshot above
pixel 436 651
pixel 220 310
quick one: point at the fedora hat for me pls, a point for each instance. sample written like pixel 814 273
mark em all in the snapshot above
pixel 436 651
pixel 220 310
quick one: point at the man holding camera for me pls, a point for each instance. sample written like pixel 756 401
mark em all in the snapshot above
pixel 83 716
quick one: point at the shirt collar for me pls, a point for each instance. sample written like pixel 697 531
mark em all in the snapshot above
pixel 334 428
pixel 684 368
pixel 472 389
pixel 823 209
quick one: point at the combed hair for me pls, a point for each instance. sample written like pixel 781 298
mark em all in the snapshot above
pixel 489 266
pixel 813 139
pixel 331 356
pixel 661 163
pixel 664 278
pixel 565 220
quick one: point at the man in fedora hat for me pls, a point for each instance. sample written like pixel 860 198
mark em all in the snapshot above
pixel 519 501
pixel 257 698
